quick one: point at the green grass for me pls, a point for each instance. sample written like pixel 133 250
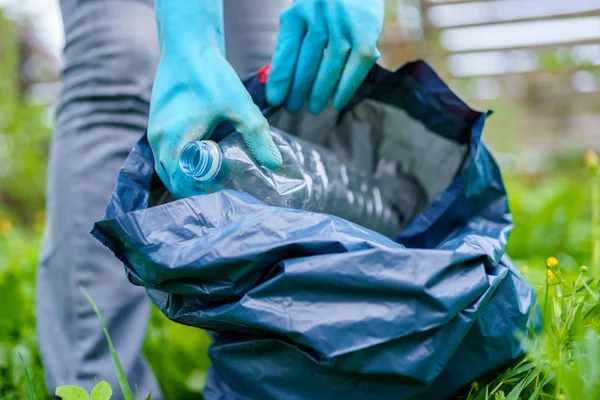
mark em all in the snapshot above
pixel 18 345
pixel 555 243
pixel 563 360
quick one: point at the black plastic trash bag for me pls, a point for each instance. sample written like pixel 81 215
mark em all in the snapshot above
pixel 310 306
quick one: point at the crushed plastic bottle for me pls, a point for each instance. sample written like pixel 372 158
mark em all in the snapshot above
pixel 311 178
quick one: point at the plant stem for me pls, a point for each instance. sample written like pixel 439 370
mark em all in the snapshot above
pixel 545 312
pixel 595 224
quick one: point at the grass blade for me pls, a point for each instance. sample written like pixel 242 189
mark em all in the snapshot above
pixel 591 291
pixel 125 388
pixel 536 393
pixel 27 379
pixel 522 369
pixel 516 392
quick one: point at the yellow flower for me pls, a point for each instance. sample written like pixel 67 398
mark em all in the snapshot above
pixel 590 159
pixel 552 262
pixel 583 269
pixel 549 273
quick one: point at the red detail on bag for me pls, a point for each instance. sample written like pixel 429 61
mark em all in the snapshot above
pixel 263 74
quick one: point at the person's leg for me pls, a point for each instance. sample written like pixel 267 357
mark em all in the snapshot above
pixel 111 54
pixel 251 29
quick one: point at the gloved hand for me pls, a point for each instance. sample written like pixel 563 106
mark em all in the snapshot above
pixel 195 89
pixel 325 48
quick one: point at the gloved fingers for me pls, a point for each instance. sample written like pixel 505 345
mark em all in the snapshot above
pixel 167 147
pixel 167 169
pixel 329 74
pixel 307 66
pixel 255 131
pixel 177 183
pixel 291 34
pixel 361 60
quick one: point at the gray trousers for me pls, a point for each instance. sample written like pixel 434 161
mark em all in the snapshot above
pixel 111 55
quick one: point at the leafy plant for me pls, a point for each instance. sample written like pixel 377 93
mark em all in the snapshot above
pixel 24 134
pixel 102 391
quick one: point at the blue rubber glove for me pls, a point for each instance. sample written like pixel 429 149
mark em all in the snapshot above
pixel 325 48
pixel 195 89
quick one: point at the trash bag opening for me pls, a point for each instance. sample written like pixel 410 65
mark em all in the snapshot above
pixel 385 143
pixel 389 146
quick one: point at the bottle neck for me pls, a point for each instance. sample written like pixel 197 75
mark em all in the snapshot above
pixel 201 160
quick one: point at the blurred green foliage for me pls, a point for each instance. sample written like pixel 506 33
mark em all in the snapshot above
pixel 179 357
pixel 23 147
pixel 18 257
pixel 24 135
pixel 551 216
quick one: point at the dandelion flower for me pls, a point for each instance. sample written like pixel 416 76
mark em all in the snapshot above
pixel 549 273
pixel 552 262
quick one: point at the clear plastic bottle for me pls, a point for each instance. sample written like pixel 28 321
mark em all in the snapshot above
pixel 311 178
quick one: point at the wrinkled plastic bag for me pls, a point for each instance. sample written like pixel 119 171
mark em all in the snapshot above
pixel 310 306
